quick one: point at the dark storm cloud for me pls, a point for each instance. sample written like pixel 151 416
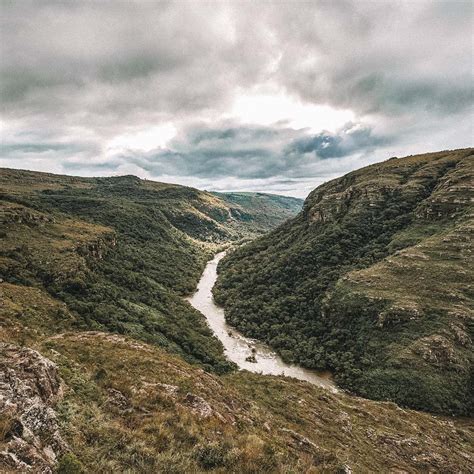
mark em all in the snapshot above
pixel 351 139
pixel 21 152
pixel 75 75
pixel 238 151
pixel 384 57
pixel 22 148
pixel 104 58
pixel 107 166
pixel 369 56
pixel 253 152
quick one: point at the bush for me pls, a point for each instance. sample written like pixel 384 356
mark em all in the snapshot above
pixel 69 464
pixel 213 455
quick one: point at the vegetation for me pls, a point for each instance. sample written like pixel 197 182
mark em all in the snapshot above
pixel 373 281
pixel 131 407
pixel 265 211
pixel 120 253
pixel 93 273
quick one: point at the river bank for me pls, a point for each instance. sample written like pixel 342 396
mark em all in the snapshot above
pixel 247 353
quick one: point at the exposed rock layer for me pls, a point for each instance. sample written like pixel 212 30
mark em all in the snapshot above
pixel 29 388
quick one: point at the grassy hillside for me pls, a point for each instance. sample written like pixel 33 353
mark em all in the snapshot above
pixel 115 405
pixel 372 280
pixel 119 252
pixel 264 211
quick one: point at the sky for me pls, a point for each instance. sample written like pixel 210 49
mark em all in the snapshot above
pixel 269 96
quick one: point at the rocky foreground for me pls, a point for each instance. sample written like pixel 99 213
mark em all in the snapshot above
pixel 96 402
pixel 30 387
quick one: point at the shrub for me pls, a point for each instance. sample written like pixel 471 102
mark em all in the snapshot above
pixel 69 464
pixel 213 455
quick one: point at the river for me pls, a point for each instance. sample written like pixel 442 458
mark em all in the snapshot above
pixel 238 347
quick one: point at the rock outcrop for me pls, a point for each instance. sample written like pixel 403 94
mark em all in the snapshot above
pixel 30 386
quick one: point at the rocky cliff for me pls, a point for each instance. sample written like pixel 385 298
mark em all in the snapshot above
pixel 30 387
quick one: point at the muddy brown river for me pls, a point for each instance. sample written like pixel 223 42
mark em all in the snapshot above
pixel 238 347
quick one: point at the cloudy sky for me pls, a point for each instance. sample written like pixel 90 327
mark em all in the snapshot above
pixel 268 96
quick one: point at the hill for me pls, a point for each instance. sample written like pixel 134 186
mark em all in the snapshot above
pixel 266 211
pixel 95 402
pixel 104 367
pixel 120 253
pixel 372 280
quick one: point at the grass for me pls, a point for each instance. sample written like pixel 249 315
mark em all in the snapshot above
pixel 258 423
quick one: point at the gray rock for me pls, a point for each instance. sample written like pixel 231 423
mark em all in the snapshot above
pixel 30 386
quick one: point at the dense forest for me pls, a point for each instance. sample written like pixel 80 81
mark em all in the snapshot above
pixel 121 252
pixel 372 280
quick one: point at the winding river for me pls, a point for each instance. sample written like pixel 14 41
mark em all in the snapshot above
pixel 239 348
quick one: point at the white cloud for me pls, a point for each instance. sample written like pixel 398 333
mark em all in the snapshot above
pixel 143 140
pixel 268 109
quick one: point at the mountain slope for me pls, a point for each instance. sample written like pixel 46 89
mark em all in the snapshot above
pixel 96 344
pixel 265 211
pixel 106 403
pixel 372 280
pixel 119 252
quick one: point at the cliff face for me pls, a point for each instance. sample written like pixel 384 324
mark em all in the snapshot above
pixel 437 184
pixel 30 387
pixel 372 280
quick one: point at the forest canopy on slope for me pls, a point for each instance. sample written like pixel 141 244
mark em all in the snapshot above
pixel 120 253
pixel 85 259
pixel 372 280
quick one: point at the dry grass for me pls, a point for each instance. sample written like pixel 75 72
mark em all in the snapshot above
pixel 126 409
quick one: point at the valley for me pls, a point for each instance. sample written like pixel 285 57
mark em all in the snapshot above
pixel 120 253
pixel 236 237
pixel 108 356
pixel 247 354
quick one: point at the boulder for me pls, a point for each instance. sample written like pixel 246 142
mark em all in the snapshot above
pixel 30 386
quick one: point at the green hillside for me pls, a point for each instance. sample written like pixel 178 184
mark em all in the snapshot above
pixel 119 252
pixel 101 359
pixel 264 211
pixel 372 280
